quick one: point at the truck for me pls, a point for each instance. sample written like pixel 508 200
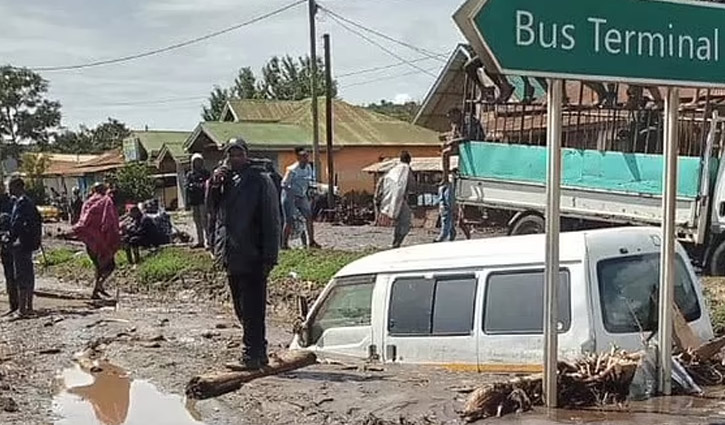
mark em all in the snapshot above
pixel 612 167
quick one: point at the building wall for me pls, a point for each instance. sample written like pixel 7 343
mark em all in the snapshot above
pixel 350 161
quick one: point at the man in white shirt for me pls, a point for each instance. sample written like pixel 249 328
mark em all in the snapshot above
pixel 295 197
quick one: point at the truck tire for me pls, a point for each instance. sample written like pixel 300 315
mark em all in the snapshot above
pixel 717 261
pixel 528 225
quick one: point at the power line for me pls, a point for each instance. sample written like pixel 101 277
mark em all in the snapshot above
pixel 380 68
pixel 171 47
pixel 391 77
pixel 380 46
pixel 426 52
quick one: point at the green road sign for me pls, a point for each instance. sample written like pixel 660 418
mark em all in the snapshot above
pixel 640 41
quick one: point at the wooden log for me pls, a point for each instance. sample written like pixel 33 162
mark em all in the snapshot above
pixel 707 350
pixel 215 384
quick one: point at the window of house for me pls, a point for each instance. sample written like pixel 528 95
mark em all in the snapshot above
pixel 441 306
pixel 514 303
pixel 629 291
pixel 348 304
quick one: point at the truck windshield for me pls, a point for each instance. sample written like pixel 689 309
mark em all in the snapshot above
pixel 348 304
pixel 629 290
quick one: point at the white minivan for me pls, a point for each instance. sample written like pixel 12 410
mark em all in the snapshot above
pixel 479 304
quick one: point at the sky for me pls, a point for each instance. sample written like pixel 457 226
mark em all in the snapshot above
pixel 167 91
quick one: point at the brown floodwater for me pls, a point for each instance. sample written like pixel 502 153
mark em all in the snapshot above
pixel 112 397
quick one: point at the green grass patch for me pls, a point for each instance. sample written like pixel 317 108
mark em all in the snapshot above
pixel 317 265
pixel 170 263
pixel 58 256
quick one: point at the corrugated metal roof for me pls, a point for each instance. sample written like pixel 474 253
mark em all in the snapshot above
pixel 258 135
pixel 258 110
pixel 353 126
pixel 153 140
pixel 357 126
pixel 418 164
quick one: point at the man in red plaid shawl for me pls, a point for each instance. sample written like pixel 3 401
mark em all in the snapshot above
pixel 98 228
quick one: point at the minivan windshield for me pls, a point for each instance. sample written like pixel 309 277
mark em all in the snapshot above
pixel 629 291
pixel 348 304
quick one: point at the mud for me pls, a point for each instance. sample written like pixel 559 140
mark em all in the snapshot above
pixel 152 345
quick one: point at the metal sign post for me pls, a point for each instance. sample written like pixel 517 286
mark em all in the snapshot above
pixel 667 257
pixel 551 286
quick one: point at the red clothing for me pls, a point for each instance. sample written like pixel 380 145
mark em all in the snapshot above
pixel 98 228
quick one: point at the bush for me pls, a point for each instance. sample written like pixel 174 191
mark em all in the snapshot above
pixel 134 183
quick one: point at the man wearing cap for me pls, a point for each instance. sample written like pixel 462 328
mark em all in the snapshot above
pixel 196 180
pixel 245 204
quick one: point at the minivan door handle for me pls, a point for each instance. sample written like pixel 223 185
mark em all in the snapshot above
pixel 391 352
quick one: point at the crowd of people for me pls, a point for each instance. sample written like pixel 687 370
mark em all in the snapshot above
pixel 293 189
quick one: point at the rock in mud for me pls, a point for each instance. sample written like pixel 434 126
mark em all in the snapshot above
pixel 8 404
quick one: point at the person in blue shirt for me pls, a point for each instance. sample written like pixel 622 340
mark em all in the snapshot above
pixel 446 210
pixel 25 236
pixel 295 197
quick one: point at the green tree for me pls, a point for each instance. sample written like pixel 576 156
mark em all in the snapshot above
pixel 401 111
pixel 133 182
pixel 34 166
pixel 217 99
pixel 105 136
pixel 281 78
pixel 245 85
pixel 26 115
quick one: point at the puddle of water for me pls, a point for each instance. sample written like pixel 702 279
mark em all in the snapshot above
pixel 111 397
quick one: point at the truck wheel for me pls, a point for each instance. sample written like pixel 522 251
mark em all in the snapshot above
pixel 717 261
pixel 528 225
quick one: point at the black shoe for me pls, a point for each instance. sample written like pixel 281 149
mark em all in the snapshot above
pixel 248 364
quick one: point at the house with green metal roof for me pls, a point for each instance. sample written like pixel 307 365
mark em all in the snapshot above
pixel 272 129
pixel 164 153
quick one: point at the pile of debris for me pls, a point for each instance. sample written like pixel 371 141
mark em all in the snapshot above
pixel 591 380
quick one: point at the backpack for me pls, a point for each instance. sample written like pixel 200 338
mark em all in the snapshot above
pixel 33 231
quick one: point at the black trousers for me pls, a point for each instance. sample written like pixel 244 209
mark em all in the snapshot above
pixel 11 286
pixel 249 293
pixel 24 269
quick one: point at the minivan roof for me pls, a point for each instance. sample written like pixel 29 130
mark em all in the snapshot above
pixel 498 251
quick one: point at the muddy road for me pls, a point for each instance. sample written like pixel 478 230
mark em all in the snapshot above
pixel 154 345
pixel 151 344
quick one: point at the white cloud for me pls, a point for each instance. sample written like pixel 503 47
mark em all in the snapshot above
pixel 190 6
pixel 48 32
pixel 402 98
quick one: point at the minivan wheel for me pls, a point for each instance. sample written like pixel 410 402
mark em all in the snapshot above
pixel 528 225
pixel 717 261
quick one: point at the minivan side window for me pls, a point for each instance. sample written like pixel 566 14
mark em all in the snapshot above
pixel 348 304
pixel 441 306
pixel 629 291
pixel 514 302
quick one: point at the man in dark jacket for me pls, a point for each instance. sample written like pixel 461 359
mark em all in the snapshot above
pixel 246 206
pixel 6 210
pixel 25 235
pixel 196 180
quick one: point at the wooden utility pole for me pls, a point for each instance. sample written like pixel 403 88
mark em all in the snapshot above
pixel 313 83
pixel 328 125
